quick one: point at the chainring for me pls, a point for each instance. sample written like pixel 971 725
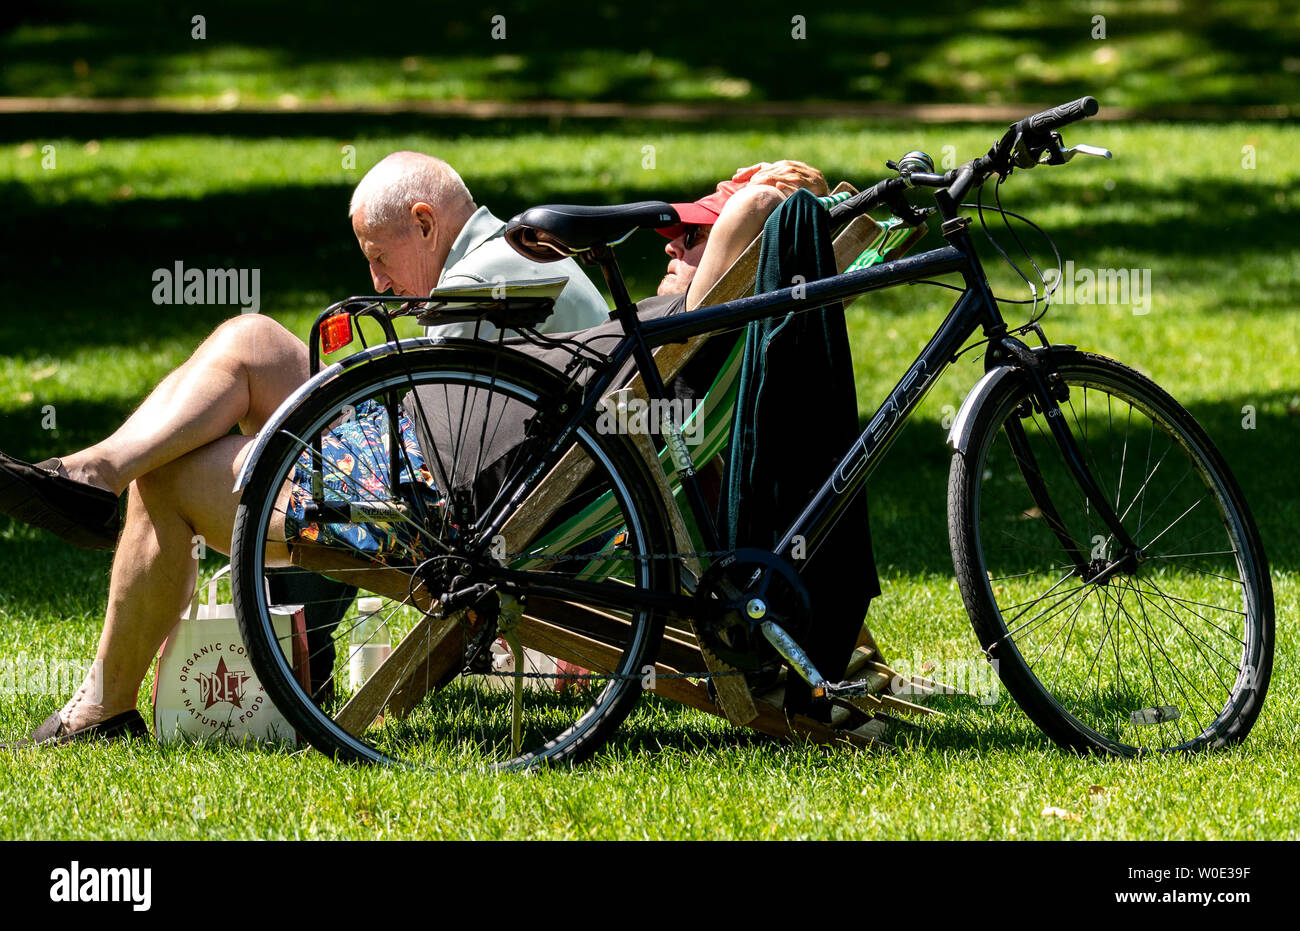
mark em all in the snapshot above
pixel 724 590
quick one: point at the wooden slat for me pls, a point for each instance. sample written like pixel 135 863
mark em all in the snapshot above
pixel 523 525
pixel 861 667
pixel 922 684
pixel 430 641
pixel 572 647
pixel 444 654
pixel 583 651
pixel 868 643
pixel 874 703
pixel 370 576
pixel 610 628
pixel 854 240
pixel 420 662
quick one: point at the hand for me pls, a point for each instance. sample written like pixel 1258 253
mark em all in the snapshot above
pixel 744 174
pixel 787 176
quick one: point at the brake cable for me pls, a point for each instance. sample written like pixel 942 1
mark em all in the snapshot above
pixel 1034 299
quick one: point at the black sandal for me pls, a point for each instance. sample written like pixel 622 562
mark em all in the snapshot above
pixel 50 732
pixel 42 494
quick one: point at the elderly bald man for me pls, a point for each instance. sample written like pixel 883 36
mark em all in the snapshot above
pixel 418 227
pixel 413 247
pixel 175 456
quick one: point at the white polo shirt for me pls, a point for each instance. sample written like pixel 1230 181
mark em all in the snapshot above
pixel 481 255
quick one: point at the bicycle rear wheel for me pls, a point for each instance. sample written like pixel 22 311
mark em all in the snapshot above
pixel 1173 655
pixel 445 694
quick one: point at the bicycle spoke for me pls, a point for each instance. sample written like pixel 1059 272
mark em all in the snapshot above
pixel 1157 537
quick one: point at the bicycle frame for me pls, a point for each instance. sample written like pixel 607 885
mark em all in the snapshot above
pixel 976 309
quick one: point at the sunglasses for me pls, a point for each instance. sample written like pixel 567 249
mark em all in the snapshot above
pixel 693 235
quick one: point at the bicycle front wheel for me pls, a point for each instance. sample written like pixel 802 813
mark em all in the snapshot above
pixel 1174 654
pixel 395 680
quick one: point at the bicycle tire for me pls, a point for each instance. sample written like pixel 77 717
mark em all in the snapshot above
pixel 489 375
pixel 990 498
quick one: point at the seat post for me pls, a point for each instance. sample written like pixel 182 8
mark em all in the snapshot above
pixel 625 313
pixel 652 378
pixel 623 303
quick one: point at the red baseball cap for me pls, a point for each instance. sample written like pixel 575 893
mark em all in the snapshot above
pixel 703 212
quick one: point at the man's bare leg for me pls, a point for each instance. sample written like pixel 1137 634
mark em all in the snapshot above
pixel 154 570
pixel 238 375
pixel 178 466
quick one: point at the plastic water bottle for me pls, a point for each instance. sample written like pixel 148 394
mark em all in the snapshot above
pixel 371 642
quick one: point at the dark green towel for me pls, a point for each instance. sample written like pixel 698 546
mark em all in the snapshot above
pixel 796 416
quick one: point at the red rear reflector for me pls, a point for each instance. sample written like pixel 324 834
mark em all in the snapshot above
pixel 336 332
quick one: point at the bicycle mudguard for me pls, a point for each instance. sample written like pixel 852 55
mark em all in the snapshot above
pixel 414 345
pixel 959 434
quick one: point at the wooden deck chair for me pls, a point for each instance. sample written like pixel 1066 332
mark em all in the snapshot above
pixel 430 652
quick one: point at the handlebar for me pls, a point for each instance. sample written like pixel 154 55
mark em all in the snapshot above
pixel 889 191
pixel 1060 116
pixel 1021 146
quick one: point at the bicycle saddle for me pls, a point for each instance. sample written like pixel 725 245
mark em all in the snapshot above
pixel 558 231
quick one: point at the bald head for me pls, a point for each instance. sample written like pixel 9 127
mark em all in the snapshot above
pixel 399 181
pixel 406 213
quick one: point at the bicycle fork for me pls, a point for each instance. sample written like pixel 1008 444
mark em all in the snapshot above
pixel 1047 396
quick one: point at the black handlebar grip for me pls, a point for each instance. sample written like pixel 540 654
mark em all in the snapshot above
pixel 860 202
pixel 1063 115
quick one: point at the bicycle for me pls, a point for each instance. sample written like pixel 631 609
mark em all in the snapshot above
pixel 1104 552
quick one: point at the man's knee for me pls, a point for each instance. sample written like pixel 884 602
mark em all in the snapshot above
pixel 258 338
pixel 198 487
pixel 152 487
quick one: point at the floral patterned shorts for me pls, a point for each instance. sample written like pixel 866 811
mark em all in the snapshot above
pixel 356 469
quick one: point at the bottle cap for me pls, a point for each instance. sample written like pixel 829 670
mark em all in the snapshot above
pixel 370 605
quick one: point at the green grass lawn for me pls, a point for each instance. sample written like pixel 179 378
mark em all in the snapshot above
pixel 80 334
pixel 1136 52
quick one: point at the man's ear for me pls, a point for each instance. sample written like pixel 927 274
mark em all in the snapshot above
pixel 425 219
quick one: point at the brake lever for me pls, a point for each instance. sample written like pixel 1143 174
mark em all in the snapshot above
pixel 1053 154
pixel 1081 149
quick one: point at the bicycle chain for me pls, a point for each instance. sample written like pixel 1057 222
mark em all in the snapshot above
pixel 619 676
pixel 623 677
pixel 600 557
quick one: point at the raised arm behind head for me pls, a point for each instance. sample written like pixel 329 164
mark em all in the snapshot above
pixel 717 228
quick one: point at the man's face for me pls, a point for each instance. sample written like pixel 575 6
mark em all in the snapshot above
pixel 401 255
pixel 684 254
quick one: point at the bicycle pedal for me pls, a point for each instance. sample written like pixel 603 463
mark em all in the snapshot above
pixel 856 688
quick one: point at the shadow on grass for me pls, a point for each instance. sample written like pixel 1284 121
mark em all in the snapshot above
pixel 1009 731
pixel 967 728
pixel 947 50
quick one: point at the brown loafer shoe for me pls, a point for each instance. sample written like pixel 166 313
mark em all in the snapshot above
pixel 50 733
pixel 42 494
